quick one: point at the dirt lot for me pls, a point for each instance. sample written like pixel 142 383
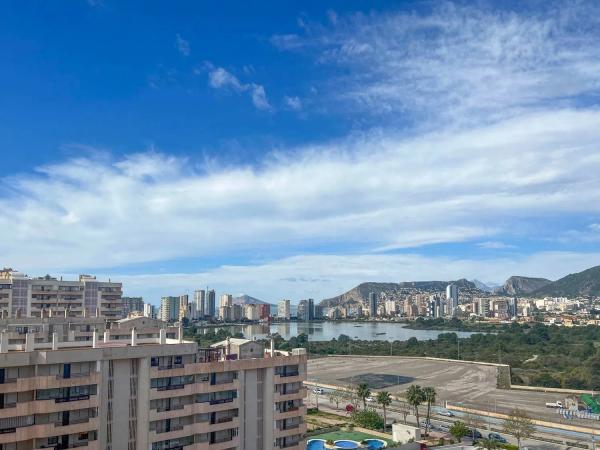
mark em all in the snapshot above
pixel 473 385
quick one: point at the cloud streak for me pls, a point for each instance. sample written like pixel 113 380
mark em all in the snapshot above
pixel 459 63
pixel 219 78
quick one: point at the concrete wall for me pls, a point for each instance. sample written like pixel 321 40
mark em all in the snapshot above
pixel 403 433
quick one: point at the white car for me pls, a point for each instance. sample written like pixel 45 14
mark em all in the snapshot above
pixel 370 399
pixel 318 391
pixel 447 413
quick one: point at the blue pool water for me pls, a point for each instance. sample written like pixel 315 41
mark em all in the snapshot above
pixel 374 444
pixel 315 445
pixel 346 444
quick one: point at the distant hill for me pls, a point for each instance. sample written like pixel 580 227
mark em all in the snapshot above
pixel 247 300
pixel 487 287
pixel 517 285
pixel 586 283
pixel 360 293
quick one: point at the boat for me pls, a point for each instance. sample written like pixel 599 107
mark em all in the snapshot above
pixel 356 326
pixel 378 334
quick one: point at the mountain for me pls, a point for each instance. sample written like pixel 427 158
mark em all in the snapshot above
pixel 486 287
pixel 360 293
pixel 517 285
pixel 581 284
pixel 247 300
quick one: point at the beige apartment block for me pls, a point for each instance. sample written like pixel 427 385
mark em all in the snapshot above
pixel 140 385
pixel 23 296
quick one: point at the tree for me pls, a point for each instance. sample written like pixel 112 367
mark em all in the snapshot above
pixel 459 430
pixel 415 397
pixel 404 409
pixel 362 392
pixel 519 424
pixel 429 395
pixel 384 399
pixel 336 397
pixel 367 418
pixel 488 444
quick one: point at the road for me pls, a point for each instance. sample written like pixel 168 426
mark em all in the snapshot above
pixel 441 423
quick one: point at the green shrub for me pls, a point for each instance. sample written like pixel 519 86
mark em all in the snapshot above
pixel 367 419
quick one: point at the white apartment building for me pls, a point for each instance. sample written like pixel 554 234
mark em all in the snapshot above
pixel 23 296
pixel 284 309
pixel 134 387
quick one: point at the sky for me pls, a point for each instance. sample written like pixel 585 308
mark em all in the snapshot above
pixel 296 149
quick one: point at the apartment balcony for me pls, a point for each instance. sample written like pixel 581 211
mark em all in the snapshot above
pixel 296 395
pixel 48 430
pixel 297 378
pixel 47 382
pixel 191 409
pixel 90 445
pixel 301 411
pixel 47 406
pixel 298 429
pixel 301 445
pixel 224 445
pixel 192 388
pixel 176 432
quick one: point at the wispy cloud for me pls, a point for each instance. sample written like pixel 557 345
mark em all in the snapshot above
pixel 183 46
pixel 458 63
pixel 322 276
pixel 373 191
pixel 495 245
pixel 293 103
pixel 219 78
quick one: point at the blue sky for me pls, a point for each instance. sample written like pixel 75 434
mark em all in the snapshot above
pixel 294 149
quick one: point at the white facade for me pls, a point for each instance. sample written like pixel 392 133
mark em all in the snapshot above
pixel 284 309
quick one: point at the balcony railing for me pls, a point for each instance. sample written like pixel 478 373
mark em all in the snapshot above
pixel 169 408
pixel 221 400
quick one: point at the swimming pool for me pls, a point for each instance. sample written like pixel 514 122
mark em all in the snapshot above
pixel 315 444
pixel 375 444
pixel 346 444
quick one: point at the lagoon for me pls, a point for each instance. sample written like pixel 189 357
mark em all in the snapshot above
pixel 325 331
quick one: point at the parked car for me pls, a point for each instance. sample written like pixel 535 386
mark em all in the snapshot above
pixel 476 434
pixel 497 437
pixel 318 391
pixel 370 399
pixel 447 413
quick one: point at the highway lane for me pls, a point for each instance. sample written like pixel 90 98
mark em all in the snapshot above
pixel 487 425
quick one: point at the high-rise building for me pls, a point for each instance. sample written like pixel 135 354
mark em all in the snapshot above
pixel 211 302
pixel 372 304
pixel 200 299
pixel 311 309
pixel 484 307
pixel 132 305
pixel 23 296
pixel 452 298
pixel 513 307
pixel 284 309
pixel 149 310
pixel 169 309
pixel 120 391
pixel 302 311
pixel 226 300
pixel 391 307
pixel 264 311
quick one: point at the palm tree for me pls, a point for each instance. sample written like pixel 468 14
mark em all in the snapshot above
pixel 384 399
pixel 362 392
pixel 488 444
pixel 429 395
pixel 415 397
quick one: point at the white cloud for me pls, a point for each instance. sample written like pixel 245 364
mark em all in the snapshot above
pixel 294 103
pixel 183 46
pixel 458 63
pixel 323 276
pixel 219 78
pixel 495 245
pixel 375 191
